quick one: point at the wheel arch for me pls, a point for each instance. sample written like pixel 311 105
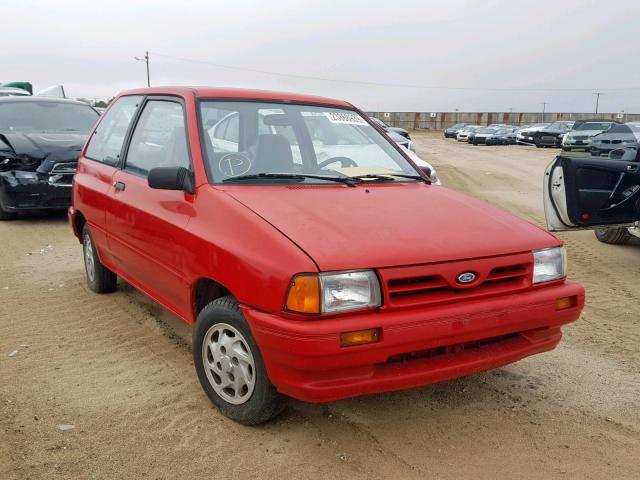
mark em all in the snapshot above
pixel 204 291
pixel 77 224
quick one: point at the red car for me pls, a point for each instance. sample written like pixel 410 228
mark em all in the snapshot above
pixel 313 257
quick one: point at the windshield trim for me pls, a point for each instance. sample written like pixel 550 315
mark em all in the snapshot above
pixel 202 131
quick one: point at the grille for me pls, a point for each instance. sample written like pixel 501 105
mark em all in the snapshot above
pixel 580 137
pixel 438 283
pixel 450 349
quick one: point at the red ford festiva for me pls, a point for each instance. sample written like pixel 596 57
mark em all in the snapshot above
pixel 313 257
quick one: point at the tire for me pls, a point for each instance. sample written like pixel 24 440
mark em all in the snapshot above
pixel 538 145
pixel 613 236
pixel 99 278
pixel 566 149
pixel 253 399
pixel 4 215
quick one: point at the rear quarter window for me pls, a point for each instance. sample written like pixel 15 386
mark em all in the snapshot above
pixel 106 143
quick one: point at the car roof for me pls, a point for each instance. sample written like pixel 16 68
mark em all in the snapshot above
pixel 240 94
pixel 35 98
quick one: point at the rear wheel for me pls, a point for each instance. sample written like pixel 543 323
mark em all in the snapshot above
pixel 230 366
pixel 99 278
pixel 614 236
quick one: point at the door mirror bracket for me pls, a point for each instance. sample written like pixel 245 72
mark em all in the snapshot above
pixel 171 178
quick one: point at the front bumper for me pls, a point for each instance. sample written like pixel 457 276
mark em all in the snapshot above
pixel 582 144
pixel 304 359
pixel 24 194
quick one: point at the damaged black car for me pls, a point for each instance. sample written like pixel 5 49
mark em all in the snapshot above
pixel 40 141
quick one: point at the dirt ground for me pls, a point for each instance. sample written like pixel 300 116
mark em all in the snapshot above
pixel 118 368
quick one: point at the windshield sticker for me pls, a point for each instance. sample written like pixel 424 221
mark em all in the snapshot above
pixel 234 164
pixel 345 117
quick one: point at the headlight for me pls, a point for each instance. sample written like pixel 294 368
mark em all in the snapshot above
pixel 549 264
pixel 333 292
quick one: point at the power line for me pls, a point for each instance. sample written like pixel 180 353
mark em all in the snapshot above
pixel 379 84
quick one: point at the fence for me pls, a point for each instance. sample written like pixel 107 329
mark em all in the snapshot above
pixel 442 120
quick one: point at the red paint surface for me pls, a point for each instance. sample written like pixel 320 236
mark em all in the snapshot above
pixel 254 239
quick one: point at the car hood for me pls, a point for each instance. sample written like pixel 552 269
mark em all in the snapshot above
pixel 614 136
pixel 384 225
pixel 584 133
pixel 30 150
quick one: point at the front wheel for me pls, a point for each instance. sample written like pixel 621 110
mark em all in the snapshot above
pixel 230 367
pixel 99 278
pixel 613 236
pixel 4 215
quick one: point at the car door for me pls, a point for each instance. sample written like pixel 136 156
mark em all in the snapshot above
pixel 583 193
pixel 94 176
pixel 147 227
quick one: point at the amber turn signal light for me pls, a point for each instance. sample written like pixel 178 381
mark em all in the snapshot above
pixel 304 294
pixel 566 302
pixel 359 337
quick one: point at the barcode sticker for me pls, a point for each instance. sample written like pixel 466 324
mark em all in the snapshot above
pixel 345 117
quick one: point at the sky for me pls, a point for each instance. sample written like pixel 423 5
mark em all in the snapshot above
pixel 391 55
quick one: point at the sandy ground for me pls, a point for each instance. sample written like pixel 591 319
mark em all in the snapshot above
pixel 119 369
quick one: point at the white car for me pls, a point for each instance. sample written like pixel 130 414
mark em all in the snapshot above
pixel 463 135
pixel 635 128
pixel 592 193
pixel 580 137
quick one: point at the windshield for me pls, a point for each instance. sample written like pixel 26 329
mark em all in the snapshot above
pixel 486 130
pixel 558 126
pixel 250 138
pixel 46 116
pixel 602 126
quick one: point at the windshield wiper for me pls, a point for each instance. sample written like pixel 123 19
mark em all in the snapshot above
pixel 385 177
pixel 292 176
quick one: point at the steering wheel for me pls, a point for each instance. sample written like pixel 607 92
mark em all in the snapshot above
pixel 344 162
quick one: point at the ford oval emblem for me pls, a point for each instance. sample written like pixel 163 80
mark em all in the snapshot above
pixel 466 277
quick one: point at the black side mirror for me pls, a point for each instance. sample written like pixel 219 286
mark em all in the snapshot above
pixel 171 178
pixel 624 154
pixel 426 170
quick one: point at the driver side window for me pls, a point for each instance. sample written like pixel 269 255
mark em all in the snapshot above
pixel 159 138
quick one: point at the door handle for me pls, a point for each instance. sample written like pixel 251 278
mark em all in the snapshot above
pixel 119 186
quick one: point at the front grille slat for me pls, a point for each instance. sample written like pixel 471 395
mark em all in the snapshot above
pixel 438 283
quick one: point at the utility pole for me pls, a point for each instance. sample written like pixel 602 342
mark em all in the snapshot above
pixel 544 108
pixel 597 94
pixel 145 59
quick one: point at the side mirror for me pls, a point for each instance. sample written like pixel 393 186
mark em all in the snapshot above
pixel 624 154
pixel 426 170
pixel 171 178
